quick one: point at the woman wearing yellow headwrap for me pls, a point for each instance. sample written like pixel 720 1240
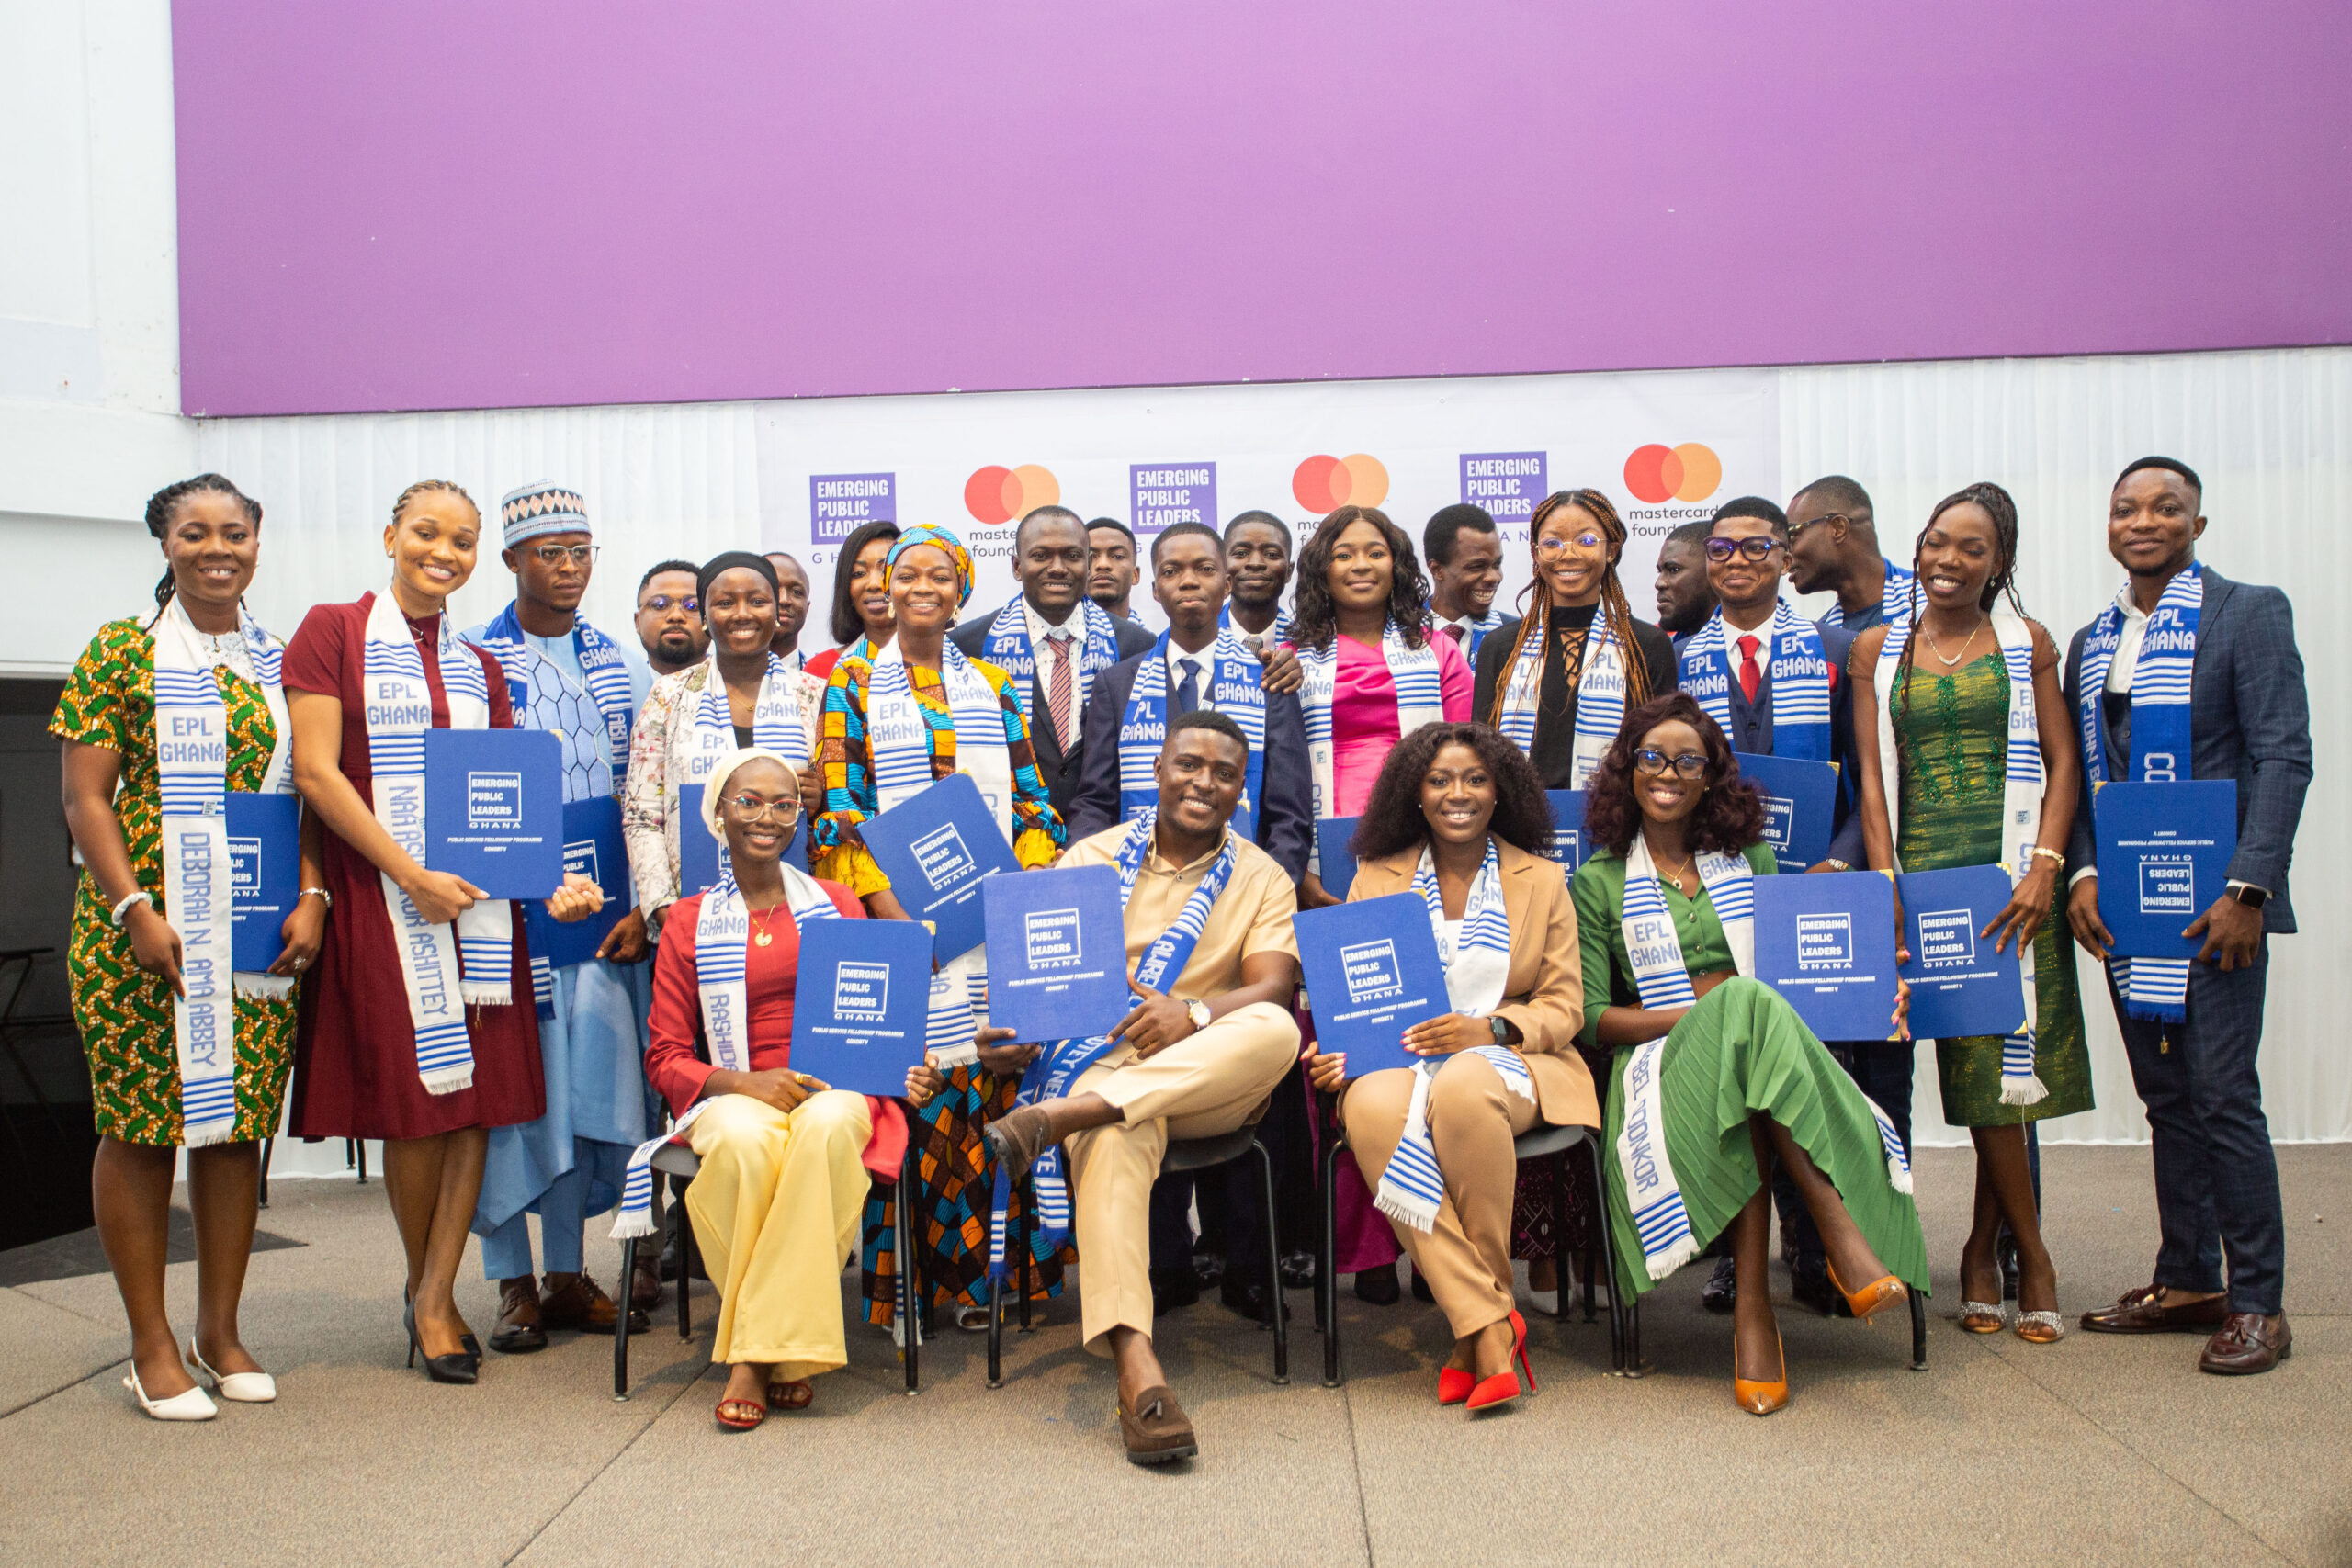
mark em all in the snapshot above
pixel 972 724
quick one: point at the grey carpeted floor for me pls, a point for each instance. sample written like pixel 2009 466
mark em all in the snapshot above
pixel 2092 1450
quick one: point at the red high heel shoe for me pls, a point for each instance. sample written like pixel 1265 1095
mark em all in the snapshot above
pixel 1453 1385
pixel 1504 1386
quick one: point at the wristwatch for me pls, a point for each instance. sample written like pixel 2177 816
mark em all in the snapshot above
pixel 1198 1012
pixel 2246 892
pixel 1501 1028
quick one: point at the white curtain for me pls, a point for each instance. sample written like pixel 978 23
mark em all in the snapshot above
pixel 2271 433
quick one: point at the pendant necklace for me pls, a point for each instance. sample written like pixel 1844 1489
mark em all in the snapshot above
pixel 1937 648
pixel 759 934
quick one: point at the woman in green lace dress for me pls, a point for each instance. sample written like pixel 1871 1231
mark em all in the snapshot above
pixel 1936 690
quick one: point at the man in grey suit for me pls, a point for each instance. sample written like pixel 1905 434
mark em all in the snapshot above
pixel 1053 642
pixel 2249 721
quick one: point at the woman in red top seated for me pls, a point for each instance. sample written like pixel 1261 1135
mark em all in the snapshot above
pixel 786 1161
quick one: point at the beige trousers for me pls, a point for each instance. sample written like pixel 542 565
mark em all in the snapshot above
pixel 775 1210
pixel 1473 1119
pixel 1203 1085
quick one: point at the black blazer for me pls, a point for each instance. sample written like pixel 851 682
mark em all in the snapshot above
pixel 1751 729
pixel 2249 719
pixel 1058 773
pixel 1286 795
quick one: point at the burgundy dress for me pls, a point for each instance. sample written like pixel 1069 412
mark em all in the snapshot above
pixel 354 1055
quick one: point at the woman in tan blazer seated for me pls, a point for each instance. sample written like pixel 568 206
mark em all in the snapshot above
pixel 1458 815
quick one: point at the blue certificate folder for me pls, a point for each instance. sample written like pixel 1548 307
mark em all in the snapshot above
pixel 1571 844
pixel 938 848
pixel 700 856
pixel 861 1003
pixel 1333 864
pixel 1372 973
pixel 1959 985
pixel 591 846
pixel 264 874
pixel 494 809
pixel 2164 857
pixel 1800 806
pixel 1057 953
pixel 1826 943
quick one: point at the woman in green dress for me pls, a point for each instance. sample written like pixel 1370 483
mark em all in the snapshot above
pixel 1965 758
pixel 137 976
pixel 1713 1073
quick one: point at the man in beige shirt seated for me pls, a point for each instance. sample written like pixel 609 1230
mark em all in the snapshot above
pixel 1197 1057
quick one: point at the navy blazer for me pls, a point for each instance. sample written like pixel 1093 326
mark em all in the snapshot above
pixel 2249 719
pixel 1751 728
pixel 1058 773
pixel 1286 795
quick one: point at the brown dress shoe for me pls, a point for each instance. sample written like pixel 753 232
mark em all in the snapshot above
pixel 645 1286
pixel 521 1327
pixel 1156 1431
pixel 2142 1312
pixel 581 1303
pixel 2248 1342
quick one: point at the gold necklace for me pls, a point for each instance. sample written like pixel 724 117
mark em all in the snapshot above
pixel 759 933
pixel 1681 872
pixel 1937 648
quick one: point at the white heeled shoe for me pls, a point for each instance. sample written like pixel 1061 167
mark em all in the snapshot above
pixel 240 1388
pixel 193 1406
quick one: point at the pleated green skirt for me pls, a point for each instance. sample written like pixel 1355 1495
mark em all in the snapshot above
pixel 1744 1050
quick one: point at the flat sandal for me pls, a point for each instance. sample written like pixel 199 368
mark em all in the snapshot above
pixel 792 1394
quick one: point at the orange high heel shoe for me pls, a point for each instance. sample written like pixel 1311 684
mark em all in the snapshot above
pixel 1884 1290
pixel 1504 1386
pixel 1760 1398
pixel 1453 1385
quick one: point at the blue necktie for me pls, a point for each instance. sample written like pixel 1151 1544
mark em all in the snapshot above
pixel 1188 690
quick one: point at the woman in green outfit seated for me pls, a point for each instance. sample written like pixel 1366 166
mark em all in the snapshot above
pixel 1714 1073
pixel 1965 757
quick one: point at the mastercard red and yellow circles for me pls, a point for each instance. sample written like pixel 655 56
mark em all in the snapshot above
pixel 1658 474
pixel 1324 484
pixel 999 495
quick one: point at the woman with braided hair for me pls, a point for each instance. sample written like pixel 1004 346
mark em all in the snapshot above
pixel 1965 758
pixel 163 718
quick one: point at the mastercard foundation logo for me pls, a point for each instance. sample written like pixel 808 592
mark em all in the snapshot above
pixel 1325 484
pixel 1658 474
pixel 1000 495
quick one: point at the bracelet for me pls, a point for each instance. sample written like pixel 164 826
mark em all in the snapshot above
pixel 122 909
pixel 325 897
pixel 2059 855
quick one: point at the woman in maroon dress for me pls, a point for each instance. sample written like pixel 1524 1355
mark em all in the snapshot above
pixel 357 1060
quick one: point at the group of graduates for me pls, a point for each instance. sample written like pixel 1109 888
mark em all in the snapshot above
pixel 407 1006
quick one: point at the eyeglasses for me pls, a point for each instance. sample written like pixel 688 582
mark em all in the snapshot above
pixel 555 555
pixel 1551 545
pixel 752 808
pixel 662 602
pixel 1690 765
pixel 1797 528
pixel 1748 549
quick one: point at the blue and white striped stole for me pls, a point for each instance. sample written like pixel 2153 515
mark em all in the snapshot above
pixel 1233 690
pixel 1799 671
pixel 1893 599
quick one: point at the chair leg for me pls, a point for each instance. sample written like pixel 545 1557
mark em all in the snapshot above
pixel 689 1255
pixel 1276 1305
pixel 1560 1237
pixel 620 1329
pixel 909 1320
pixel 1918 1334
pixel 1028 1250
pixel 1595 1255
pixel 1607 1258
pixel 1326 1280
pixel 268 1150
pixel 996 1330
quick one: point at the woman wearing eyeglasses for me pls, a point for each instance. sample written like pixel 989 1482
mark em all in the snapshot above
pixel 860 618
pixel 787 1162
pixel 741 695
pixel 1713 1073
pixel 1580 660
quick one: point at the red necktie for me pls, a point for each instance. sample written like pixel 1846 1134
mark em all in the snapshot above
pixel 1057 691
pixel 1751 677
pixel 1459 634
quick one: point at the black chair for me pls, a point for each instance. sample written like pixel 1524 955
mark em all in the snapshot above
pixel 680 1163
pixel 1537 1143
pixel 1182 1154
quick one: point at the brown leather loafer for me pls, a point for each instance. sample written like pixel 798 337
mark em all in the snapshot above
pixel 2248 1342
pixel 1157 1431
pixel 645 1286
pixel 520 1327
pixel 1018 1137
pixel 2142 1312
pixel 581 1303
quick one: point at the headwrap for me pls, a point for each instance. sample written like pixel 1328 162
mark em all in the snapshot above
pixel 715 787
pixel 728 560
pixel 541 508
pixel 931 533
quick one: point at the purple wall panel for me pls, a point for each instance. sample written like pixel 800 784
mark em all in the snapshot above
pixel 516 202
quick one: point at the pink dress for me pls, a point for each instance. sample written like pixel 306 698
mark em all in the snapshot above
pixel 1364 732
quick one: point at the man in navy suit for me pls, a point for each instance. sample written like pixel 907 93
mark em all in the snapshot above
pixel 1188 578
pixel 1068 641
pixel 1746 553
pixel 2249 721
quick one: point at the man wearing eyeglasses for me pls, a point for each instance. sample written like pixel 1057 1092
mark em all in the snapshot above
pixel 1833 547
pixel 669 617
pixel 1762 672
pixel 571 680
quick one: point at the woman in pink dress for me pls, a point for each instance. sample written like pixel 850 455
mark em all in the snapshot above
pixel 1372 675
